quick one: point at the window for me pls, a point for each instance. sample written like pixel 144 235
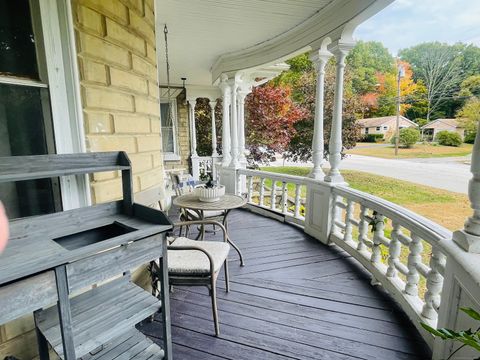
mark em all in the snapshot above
pixel 366 130
pixel 169 129
pixel 26 126
pixel 378 128
pixel 38 91
pixel 385 127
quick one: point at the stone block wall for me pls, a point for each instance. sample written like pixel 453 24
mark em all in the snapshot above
pixel 118 76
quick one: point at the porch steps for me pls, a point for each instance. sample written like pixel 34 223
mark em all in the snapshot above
pixel 100 316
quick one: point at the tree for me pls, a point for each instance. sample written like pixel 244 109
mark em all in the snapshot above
pixel 203 126
pixel 368 59
pixel 270 118
pixel 468 118
pixel 470 86
pixel 439 67
pixel 385 94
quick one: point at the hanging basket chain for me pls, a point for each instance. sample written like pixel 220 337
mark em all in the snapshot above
pixel 169 113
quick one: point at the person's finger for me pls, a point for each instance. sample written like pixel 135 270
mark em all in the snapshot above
pixel 4 232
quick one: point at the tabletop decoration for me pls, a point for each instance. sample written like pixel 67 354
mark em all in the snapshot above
pixel 211 191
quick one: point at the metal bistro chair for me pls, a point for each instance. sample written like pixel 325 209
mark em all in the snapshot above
pixel 191 262
pixel 198 263
pixel 185 184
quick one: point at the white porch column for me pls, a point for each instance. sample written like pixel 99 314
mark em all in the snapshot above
pixel 234 128
pixel 212 104
pixel 193 131
pixel 469 238
pixel 321 59
pixel 226 141
pixel 340 51
pixel 242 94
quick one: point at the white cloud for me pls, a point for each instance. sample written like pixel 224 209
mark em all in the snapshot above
pixel 409 22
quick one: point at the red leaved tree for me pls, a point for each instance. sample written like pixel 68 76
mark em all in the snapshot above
pixel 270 117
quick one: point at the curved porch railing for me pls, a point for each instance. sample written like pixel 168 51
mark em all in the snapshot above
pixel 279 193
pixel 403 251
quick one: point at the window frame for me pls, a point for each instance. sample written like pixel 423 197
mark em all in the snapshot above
pixel 175 155
pixel 52 24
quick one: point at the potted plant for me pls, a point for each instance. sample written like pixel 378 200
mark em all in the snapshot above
pixel 467 338
pixel 210 191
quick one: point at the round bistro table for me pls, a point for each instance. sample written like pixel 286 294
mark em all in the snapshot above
pixel 226 203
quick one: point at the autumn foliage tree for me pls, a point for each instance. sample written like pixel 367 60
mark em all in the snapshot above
pixel 271 116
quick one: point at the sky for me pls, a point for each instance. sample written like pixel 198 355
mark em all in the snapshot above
pixel 409 22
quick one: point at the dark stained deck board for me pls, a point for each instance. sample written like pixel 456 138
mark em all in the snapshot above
pixel 294 299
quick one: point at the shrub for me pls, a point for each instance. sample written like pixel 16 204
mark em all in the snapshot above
pixel 449 138
pixel 372 138
pixel 408 137
pixel 470 137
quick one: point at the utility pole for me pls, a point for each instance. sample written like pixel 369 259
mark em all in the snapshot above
pixel 400 75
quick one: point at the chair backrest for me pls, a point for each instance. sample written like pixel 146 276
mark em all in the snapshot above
pixel 183 183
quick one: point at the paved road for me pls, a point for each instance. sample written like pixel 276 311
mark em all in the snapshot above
pixel 450 174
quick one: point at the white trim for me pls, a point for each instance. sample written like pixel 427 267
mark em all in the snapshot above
pixel 175 155
pixel 63 79
pixel 13 80
pixel 336 20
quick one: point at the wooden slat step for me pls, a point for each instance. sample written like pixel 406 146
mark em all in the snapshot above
pixel 131 345
pixel 100 315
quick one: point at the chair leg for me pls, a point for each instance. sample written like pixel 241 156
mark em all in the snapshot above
pixel 227 280
pixel 213 295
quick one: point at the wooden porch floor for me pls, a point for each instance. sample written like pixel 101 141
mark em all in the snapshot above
pixel 294 299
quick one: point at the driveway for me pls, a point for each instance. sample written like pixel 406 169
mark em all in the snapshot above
pixel 452 174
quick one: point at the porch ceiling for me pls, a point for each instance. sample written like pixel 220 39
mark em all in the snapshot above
pixel 203 34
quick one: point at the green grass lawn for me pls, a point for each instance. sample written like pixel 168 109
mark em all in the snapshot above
pixel 418 151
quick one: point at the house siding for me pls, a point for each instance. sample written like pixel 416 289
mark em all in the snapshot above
pixel 115 42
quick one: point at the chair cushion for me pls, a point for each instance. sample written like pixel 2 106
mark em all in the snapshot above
pixel 193 262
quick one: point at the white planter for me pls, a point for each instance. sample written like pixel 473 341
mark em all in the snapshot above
pixel 210 194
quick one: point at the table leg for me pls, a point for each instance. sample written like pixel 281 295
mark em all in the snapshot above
pixel 164 291
pixel 64 313
pixel 225 223
pixel 41 341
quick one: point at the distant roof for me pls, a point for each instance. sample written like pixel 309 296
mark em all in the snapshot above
pixel 447 122
pixel 379 121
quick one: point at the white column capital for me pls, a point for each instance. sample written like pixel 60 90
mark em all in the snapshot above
pixel 340 49
pixel 212 104
pixel 320 58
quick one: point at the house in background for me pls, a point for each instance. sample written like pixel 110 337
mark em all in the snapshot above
pixel 383 125
pixel 430 130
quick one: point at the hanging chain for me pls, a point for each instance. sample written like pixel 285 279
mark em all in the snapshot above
pixel 169 113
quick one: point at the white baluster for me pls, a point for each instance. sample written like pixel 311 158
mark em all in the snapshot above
pixel 415 257
pixel 335 215
pixel 362 229
pixel 262 192
pixel 347 237
pixel 378 233
pixel 394 249
pixel 298 189
pixel 284 198
pixel 250 188
pixel 273 195
pixel 434 286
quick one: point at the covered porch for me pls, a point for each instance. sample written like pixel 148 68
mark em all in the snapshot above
pixel 294 299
